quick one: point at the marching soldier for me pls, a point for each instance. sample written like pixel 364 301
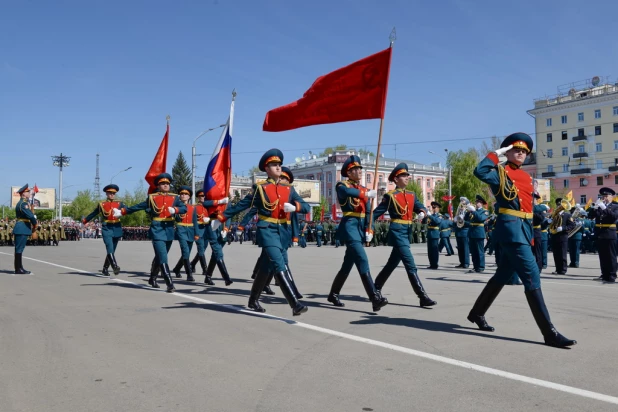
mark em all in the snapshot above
pixel 216 237
pixel 562 224
pixel 475 221
pixel 605 214
pixel 202 220
pixel 302 237
pixel 186 233
pixel 161 206
pixel 25 223
pixel 401 206
pixel 354 230
pixel 513 190
pixel 319 229
pixel 111 227
pixel 433 235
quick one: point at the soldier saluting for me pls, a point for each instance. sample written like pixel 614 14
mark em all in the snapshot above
pixel 25 224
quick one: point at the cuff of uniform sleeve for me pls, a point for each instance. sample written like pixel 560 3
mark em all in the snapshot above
pixel 123 211
pixel 363 193
pixel 196 237
pixel 84 221
pixel 215 202
pixel 221 218
pixel 369 231
pixel 241 228
pixel 297 207
pixel 294 239
pixel 493 157
pixel 176 210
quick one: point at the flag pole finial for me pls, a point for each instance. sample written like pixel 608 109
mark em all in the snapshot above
pixel 234 94
pixel 168 118
pixel 393 36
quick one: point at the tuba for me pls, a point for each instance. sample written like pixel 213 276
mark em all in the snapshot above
pixel 556 218
pixel 461 211
pixel 578 224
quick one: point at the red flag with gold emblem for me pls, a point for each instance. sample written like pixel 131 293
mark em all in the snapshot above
pixel 159 163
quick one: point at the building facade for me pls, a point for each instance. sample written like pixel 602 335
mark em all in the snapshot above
pixel 577 137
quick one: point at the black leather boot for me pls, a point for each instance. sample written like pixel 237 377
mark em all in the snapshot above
pixel 209 271
pixel 223 271
pixel 105 271
pixel 177 268
pixel 482 304
pixel 381 279
pixel 284 283
pixel 256 268
pixel 541 316
pixel 293 283
pixel 335 289
pixel 194 263
pixel 19 269
pixel 377 301
pixel 267 288
pixel 202 264
pixel 256 291
pixel 165 272
pixel 417 286
pixel 111 258
pixel 154 271
pixel 188 270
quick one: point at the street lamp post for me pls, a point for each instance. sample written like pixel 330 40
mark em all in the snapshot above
pixel 122 171
pixel 193 166
pixel 450 180
pixel 60 161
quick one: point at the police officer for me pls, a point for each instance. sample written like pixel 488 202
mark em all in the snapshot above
pixel 354 230
pixel 513 190
pixel 605 214
pixel 25 223
pixel 111 228
pixel 475 221
pixel 433 235
pixel 401 206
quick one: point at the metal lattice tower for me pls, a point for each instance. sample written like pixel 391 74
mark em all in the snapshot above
pixel 97 185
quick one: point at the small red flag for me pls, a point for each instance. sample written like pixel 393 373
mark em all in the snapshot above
pixel 322 215
pixel 35 189
pixel 333 212
pixel 159 163
pixel 354 92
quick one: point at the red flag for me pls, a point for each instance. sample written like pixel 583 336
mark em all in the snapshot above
pixel 322 215
pixel 35 189
pixel 354 92
pixel 450 209
pixel 159 163
pixel 333 212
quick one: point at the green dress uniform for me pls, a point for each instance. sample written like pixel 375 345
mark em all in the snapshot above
pixel 463 249
pixel 475 221
pixel 319 231
pixel 186 235
pixel 513 190
pixel 401 206
pixel 538 215
pixel 161 230
pixel 24 224
pixel 446 227
pixel 433 237
pixel 352 230
pixel 111 228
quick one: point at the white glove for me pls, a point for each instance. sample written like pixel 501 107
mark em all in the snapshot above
pixel 602 206
pixel 224 234
pixel 368 237
pixel 421 215
pixel 288 207
pixel 471 208
pixel 372 194
pixel 171 210
pixel 503 150
pixel 224 201
pixel 117 212
pixel 206 219
pixel 561 212
pixel 239 233
pixel 559 229
pixel 35 216
pixel 294 243
pixel 215 224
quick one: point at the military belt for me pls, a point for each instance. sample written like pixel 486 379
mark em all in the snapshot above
pixel 477 224
pixel 112 221
pixel 163 219
pixel 273 220
pixel 185 224
pixel 353 214
pixel 401 221
pixel 433 227
pixel 544 231
pixel 606 225
pixel 517 213
pixel 23 220
pixel 445 230
pixel 536 227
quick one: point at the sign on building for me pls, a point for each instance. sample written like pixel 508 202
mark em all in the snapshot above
pixel 542 187
pixel 309 190
pixel 45 198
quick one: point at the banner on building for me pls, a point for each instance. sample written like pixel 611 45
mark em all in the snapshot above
pixel 45 198
pixel 542 187
pixel 309 190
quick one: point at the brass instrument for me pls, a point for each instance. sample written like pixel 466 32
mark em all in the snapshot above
pixel 461 211
pixel 556 218
pixel 578 224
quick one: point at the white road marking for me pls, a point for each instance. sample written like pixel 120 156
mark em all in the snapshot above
pixel 442 359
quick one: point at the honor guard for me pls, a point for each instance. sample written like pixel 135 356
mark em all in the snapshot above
pixel 111 228
pixel 513 190
pixel 605 213
pixel 354 230
pixel 186 233
pixel 202 220
pixel 161 206
pixel 561 224
pixel 475 221
pixel 401 206
pixel 433 235
pixel 25 223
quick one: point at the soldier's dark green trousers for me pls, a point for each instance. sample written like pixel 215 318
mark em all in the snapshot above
pixel 354 255
pixel 161 247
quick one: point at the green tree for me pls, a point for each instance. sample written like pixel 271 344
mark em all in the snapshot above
pixel 413 186
pixel 8 212
pixel 81 206
pixel 138 195
pixel 181 173
pixel 317 211
pixel 44 214
pixel 333 149
pixel 239 217
pixel 254 170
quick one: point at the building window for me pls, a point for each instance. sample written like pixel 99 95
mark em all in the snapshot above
pixel 597 114
pixel 615 144
pixel 330 193
pixel 380 178
pixel 581 182
pixel 615 110
pixel 550 153
pixel 550 168
pixel 564 119
pixel 549 122
pixel 580 117
pixel 580 133
pixel 583 200
pixel 428 182
pixel 599 147
pixel 368 178
pixel 329 177
pixel 565 136
pixel 616 179
pixel 428 196
pixel 565 168
pixel 581 148
pixel 600 164
pixel 565 183
pixel 600 180
pixel 615 127
pixel 597 130
pixel 549 137
pixel 565 151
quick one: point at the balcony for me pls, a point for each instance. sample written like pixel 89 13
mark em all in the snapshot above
pixel 581 171
pixel 579 138
pixel 580 155
pixel 548 174
pixel 613 169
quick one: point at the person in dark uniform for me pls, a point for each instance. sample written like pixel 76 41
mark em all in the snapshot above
pixel 319 231
pixel 605 213
pixel 463 250
pixel 25 224
pixel 161 206
pixel 538 216
pixel 217 237
pixel 401 206
pixel 354 230
pixel 475 221
pixel 111 227
pixel 433 235
pixel 446 226
pixel 561 225
pixel 513 190
pixel 186 233
pixel 575 240
pixel 203 219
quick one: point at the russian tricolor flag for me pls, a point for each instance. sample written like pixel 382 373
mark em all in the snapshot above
pixel 219 172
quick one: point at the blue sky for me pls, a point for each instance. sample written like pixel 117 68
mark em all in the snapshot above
pixel 85 77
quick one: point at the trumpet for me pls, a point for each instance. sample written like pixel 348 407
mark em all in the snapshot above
pixel 461 211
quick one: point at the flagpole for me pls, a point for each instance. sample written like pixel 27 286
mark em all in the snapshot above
pixel 392 37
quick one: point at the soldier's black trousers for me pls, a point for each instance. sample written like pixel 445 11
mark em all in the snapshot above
pixel 463 251
pixel 575 246
pixel 559 248
pixel 607 258
pixel 538 250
